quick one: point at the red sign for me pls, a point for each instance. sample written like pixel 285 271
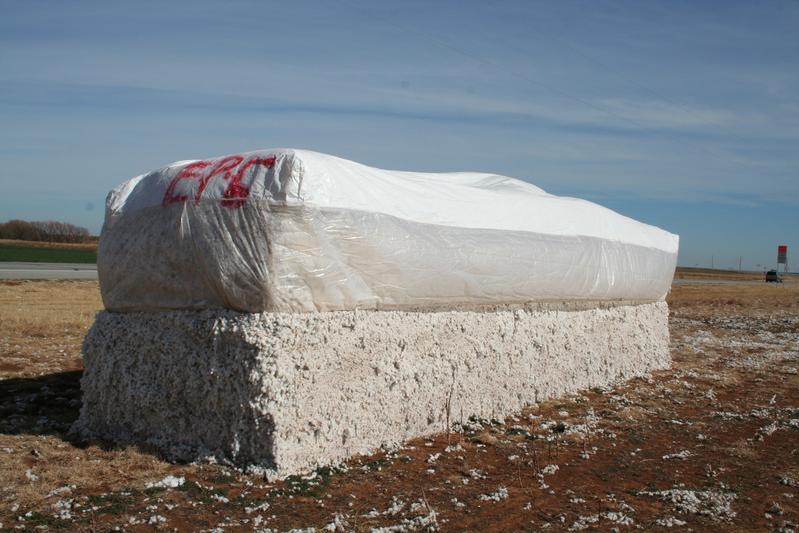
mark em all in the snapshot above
pixel 782 255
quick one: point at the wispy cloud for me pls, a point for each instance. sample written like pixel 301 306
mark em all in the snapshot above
pixel 682 103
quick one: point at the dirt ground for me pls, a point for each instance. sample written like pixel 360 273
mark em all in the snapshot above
pixel 711 444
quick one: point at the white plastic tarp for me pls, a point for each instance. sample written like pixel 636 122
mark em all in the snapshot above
pixel 294 230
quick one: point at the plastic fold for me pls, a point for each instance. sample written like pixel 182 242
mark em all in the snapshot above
pixel 292 230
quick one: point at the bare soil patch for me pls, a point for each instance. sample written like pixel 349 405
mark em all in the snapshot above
pixel 711 444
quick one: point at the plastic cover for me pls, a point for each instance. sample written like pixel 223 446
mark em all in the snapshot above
pixel 294 230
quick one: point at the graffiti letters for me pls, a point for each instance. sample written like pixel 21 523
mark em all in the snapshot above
pixel 231 172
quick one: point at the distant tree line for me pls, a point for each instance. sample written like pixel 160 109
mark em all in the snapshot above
pixel 47 230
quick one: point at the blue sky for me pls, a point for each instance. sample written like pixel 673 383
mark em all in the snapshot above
pixel 681 114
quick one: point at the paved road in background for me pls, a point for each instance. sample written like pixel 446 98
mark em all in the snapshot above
pixel 716 282
pixel 726 282
pixel 15 270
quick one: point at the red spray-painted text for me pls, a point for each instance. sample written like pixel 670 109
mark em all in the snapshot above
pixel 232 171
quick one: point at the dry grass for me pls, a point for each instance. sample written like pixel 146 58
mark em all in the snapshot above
pixel 736 298
pixel 85 246
pixel 56 463
pixel 726 275
pixel 42 324
pixel 46 308
pixel 603 469
pixel 743 449
pixel 707 273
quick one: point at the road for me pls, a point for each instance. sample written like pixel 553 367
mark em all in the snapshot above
pixel 18 270
pixel 728 282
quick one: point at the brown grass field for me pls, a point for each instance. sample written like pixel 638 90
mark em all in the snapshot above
pixel 690 273
pixel 711 444
pixel 86 246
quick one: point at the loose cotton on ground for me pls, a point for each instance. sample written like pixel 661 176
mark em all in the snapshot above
pixel 287 309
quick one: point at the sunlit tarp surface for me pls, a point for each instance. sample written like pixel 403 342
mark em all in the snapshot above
pixel 294 230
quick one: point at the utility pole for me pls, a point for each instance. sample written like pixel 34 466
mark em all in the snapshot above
pixel 739 263
pixel 712 261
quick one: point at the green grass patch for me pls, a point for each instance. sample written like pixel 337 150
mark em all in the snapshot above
pixel 30 254
pixel 300 486
pixel 378 463
pixel 114 502
pixel 517 431
pixel 222 478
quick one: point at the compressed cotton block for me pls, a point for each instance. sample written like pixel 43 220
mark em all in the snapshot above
pixel 290 392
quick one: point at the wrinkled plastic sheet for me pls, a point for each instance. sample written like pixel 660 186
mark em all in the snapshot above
pixel 293 230
pixel 263 256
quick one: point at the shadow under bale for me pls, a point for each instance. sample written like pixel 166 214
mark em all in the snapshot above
pixel 50 405
pixel 42 405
